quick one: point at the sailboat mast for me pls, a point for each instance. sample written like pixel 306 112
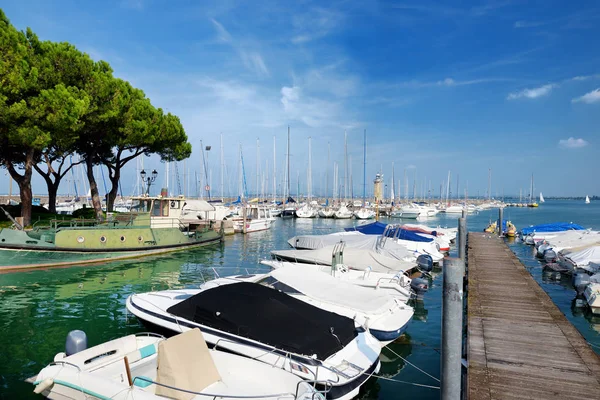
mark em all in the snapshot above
pixel 448 190
pixel 405 186
pixel 274 171
pixel 489 184
pixel 327 176
pixel 222 171
pixel 345 165
pixel 531 190
pixel 257 166
pixel 309 176
pixel 288 166
pixel 364 167
pixel 392 188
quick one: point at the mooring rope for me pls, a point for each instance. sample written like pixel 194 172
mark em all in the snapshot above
pixel 413 365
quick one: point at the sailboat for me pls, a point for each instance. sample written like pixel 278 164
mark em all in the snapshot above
pixel 307 211
pixel 289 210
pixel 533 203
pixel 365 213
pixel 541 198
pixel 587 199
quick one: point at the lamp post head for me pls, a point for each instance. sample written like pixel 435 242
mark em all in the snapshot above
pixel 154 174
pixel 208 148
pixel 143 174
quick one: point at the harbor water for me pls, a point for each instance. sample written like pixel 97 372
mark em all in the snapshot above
pixel 39 308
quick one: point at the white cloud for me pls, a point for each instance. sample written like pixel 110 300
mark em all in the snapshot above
pixel 447 82
pixel 314 24
pixel 572 143
pixel 529 24
pixel 251 59
pixel 254 62
pixel 589 98
pixel 533 93
pixel 223 34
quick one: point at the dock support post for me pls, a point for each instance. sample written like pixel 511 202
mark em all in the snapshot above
pixel 500 218
pixel 452 323
pixel 462 238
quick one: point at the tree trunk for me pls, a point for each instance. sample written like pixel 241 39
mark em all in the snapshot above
pixel 52 188
pixel 96 203
pixel 24 182
pixel 114 190
pixel 52 191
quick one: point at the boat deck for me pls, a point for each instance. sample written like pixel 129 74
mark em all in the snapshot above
pixel 520 345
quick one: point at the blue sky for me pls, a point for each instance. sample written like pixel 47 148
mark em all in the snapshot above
pixel 439 86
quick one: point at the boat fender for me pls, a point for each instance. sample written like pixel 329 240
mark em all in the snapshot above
pixel 425 262
pixel 550 255
pixel 76 342
pixel 44 385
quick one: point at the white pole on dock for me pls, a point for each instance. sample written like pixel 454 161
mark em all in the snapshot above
pixel 452 323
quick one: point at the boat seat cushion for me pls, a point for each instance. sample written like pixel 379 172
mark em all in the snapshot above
pixel 184 361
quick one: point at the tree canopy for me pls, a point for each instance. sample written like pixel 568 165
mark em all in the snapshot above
pixel 56 101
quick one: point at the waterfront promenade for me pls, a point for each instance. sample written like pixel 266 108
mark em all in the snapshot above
pixel 520 345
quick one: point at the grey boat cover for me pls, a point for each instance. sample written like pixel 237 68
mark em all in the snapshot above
pixel 384 246
pixel 354 258
pixel 584 257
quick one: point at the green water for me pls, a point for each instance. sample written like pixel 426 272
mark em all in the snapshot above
pixel 38 308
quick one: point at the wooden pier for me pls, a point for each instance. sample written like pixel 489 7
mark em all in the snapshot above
pixel 520 345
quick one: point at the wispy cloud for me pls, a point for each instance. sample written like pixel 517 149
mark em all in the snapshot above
pixel 447 82
pixel 589 98
pixel 222 33
pixel 252 59
pixel 533 93
pixel 448 11
pixel 315 24
pixel 572 143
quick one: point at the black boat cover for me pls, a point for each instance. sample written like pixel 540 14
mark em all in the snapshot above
pixel 269 316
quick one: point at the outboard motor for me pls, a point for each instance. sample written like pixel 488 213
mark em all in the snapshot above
pixel 580 281
pixel 541 249
pixel 419 285
pixel 529 240
pixel 76 342
pixel 425 263
pixel 550 256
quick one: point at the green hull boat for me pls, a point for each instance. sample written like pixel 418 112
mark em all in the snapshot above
pixel 79 242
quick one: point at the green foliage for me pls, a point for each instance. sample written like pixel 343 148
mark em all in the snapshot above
pixel 56 101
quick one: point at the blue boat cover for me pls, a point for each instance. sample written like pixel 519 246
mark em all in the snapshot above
pixel 377 228
pixel 552 227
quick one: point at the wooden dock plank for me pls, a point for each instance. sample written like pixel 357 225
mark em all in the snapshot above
pixel 519 344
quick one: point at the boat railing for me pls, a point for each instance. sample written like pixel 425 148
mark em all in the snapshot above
pixel 215 395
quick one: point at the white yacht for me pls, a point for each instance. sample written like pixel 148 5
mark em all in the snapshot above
pixel 128 368
pixel 287 333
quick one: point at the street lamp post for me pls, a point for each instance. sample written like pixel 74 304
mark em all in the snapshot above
pixel 148 180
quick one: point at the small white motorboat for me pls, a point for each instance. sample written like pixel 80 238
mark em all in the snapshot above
pixel 409 212
pixel 592 296
pixel 397 284
pixel 261 323
pixel 150 367
pixel 454 209
pixel 386 316
pixel 258 219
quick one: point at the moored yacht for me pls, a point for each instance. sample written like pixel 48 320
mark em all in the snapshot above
pixel 150 367
pixel 265 324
